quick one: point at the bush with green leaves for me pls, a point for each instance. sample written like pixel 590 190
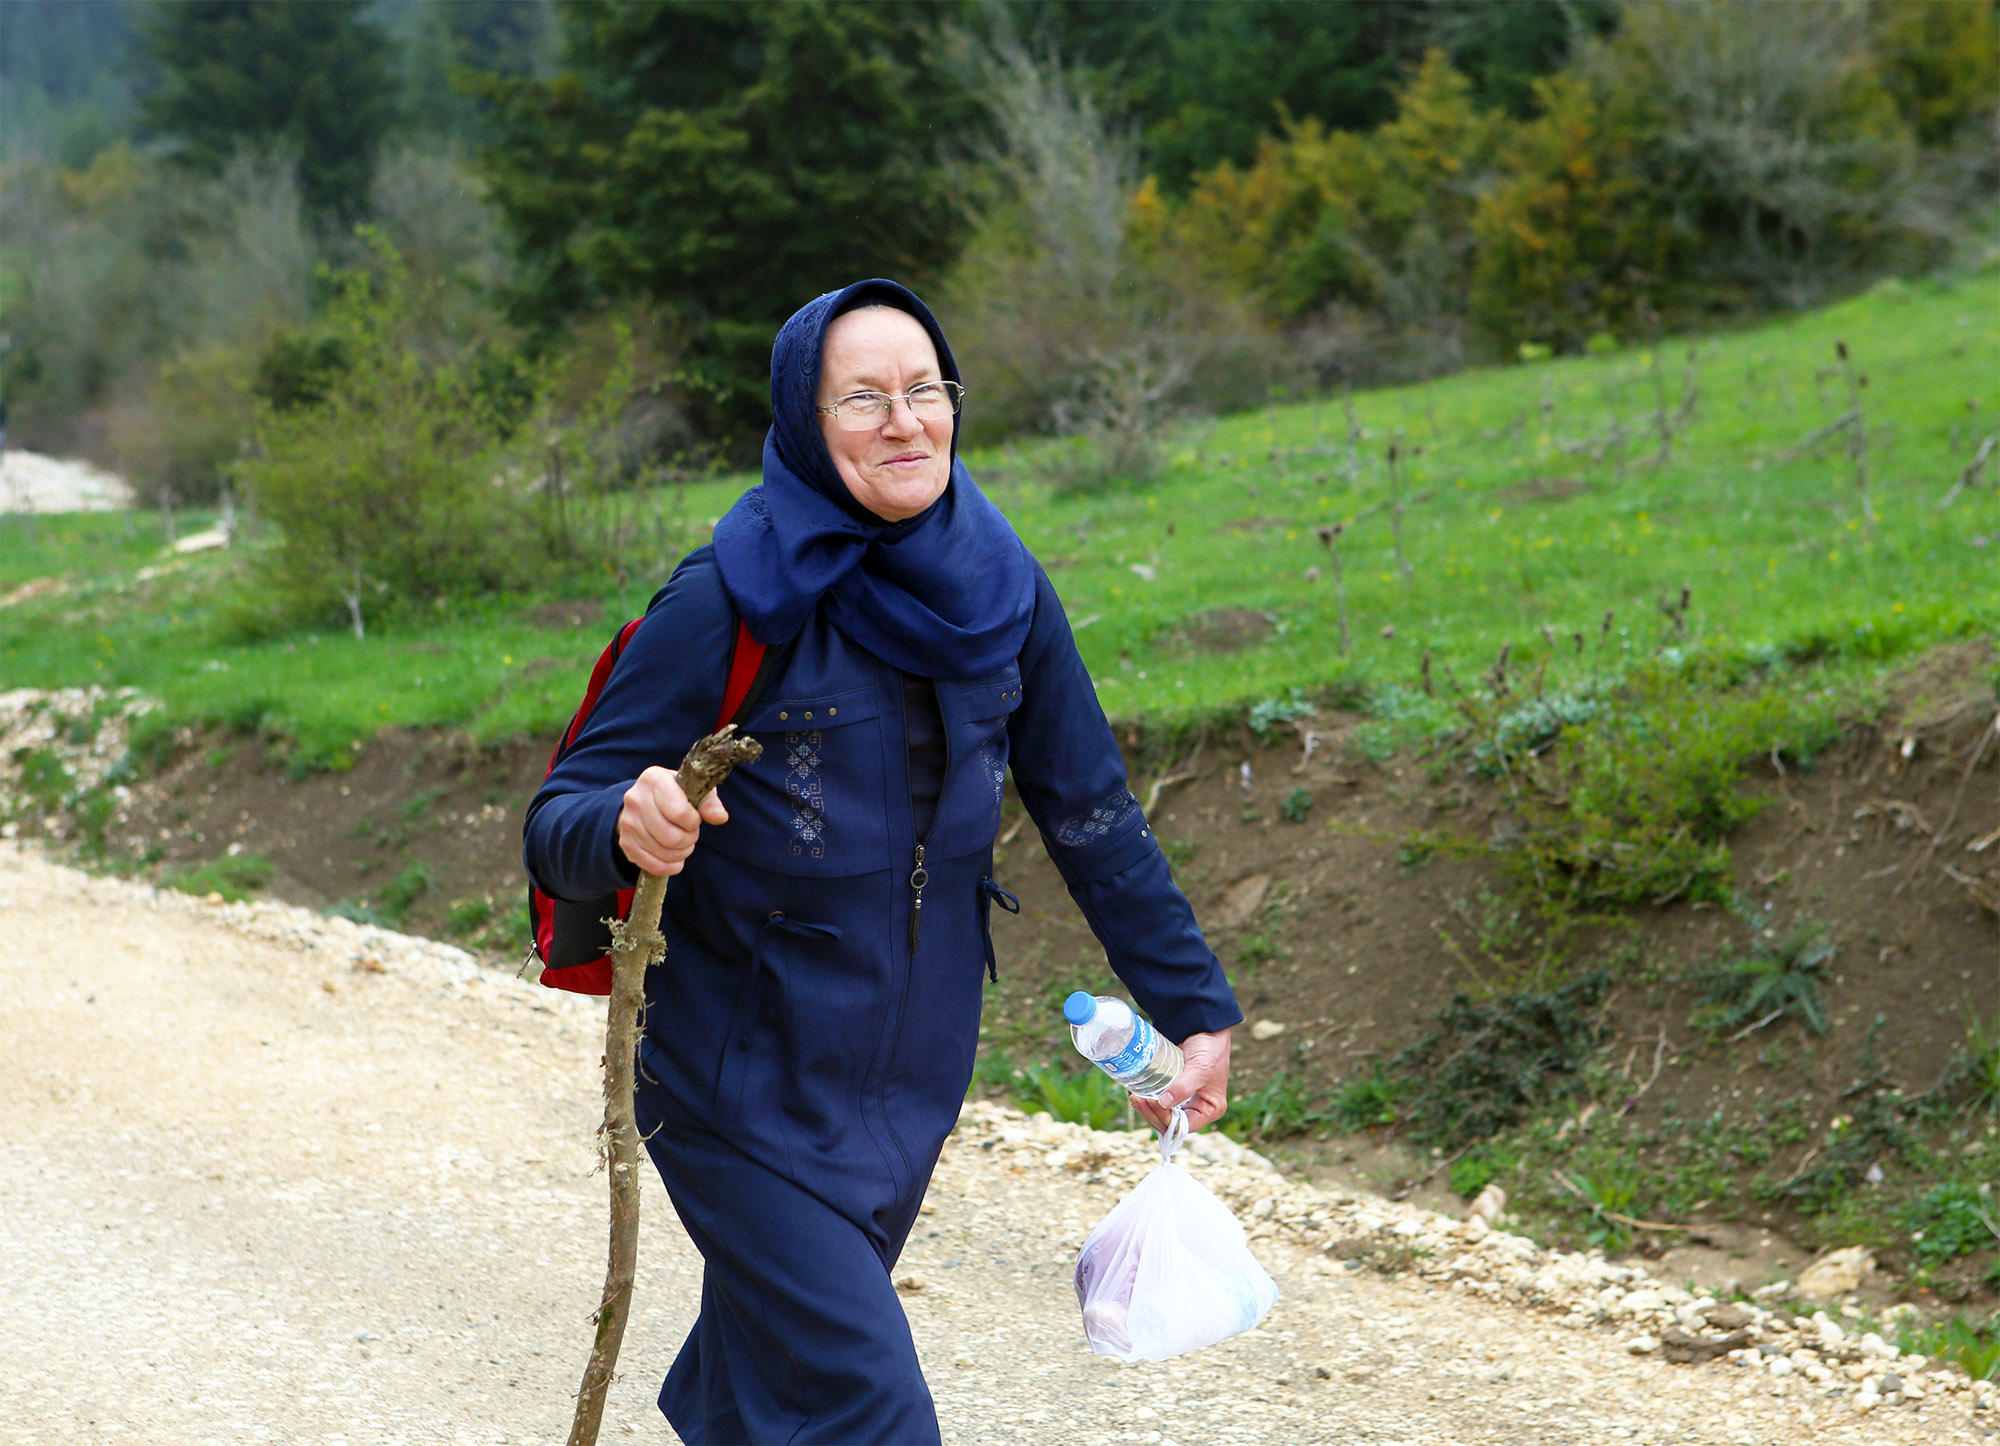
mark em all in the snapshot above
pixel 390 486
pixel 1951 1220
pixel 1637 804
pixel 1490 1064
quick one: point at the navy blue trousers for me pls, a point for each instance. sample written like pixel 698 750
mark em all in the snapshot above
pixel 801 1336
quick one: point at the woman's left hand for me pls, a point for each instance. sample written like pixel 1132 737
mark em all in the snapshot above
pixel 1203 1085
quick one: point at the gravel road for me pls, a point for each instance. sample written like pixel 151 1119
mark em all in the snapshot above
pixel 271 1178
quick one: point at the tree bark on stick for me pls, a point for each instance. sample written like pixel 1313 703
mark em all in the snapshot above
pixel 636 945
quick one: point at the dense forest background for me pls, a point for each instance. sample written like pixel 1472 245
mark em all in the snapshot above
pixel 556 236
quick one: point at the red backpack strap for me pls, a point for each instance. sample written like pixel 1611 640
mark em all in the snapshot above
pixel 599 676
pixel 744 664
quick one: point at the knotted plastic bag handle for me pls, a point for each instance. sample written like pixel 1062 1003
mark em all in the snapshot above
pixel 1176 1133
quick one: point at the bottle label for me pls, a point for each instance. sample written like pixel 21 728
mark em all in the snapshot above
pixel 1131 1061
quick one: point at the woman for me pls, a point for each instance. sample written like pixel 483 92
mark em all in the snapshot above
pixel 810 1038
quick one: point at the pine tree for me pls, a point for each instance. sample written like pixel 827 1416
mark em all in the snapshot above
pixel 725 162
pixel 312 78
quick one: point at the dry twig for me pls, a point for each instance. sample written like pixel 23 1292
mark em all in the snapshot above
pixel 1985 737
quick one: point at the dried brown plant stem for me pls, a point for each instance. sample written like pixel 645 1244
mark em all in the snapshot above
pixel 1330 536
pixel 636 945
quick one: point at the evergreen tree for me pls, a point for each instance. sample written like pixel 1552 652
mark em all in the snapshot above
pixel 725 162
pixel 315 78
pixel 1204 81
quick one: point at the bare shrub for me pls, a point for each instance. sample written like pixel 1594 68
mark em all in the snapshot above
pixel 1775 124
pixel 1062 323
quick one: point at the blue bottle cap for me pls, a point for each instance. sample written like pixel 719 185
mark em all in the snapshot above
pixel 1079 1007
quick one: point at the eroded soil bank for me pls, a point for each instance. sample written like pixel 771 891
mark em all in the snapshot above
pixel 1344 939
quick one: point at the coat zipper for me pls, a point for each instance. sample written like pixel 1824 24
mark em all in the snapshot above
pixel 919 876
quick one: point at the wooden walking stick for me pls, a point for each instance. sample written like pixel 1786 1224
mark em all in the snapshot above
pixel 636 945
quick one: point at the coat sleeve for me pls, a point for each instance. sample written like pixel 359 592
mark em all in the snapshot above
pixel 1071 777
pixel 664 694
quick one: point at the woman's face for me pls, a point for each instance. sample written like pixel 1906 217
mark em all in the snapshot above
pixel 898 469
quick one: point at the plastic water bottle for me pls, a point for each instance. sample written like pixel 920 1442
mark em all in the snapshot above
pixel 1119 1042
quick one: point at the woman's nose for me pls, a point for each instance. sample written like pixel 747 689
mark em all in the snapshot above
pixel 902 420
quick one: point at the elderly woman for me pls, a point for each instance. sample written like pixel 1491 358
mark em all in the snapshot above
pixel 810 1038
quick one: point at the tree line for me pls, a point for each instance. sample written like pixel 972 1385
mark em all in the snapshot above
pixel 1126 212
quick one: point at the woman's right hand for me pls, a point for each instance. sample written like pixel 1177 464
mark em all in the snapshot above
pixel 657 826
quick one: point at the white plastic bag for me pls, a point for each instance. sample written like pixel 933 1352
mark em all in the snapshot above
pixel 1169 1270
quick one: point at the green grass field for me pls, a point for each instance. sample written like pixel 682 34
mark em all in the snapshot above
pixel 1536 501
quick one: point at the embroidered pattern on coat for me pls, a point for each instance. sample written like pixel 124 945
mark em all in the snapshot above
pixel 994 767
pixel 1108 814
pixel 803 783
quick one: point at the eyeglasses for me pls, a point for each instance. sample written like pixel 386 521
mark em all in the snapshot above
pixel 865 411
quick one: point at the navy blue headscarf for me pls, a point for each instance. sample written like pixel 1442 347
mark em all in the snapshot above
pixel 948 593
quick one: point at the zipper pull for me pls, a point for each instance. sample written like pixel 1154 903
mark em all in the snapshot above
pixel 919 876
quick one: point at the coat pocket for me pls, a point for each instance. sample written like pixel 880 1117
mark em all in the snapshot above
pixel 812 807
pixel 756 1049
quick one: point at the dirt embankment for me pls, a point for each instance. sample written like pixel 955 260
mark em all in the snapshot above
pixel 1343 944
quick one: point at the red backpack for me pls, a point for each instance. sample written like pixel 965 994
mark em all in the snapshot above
pixel 569 936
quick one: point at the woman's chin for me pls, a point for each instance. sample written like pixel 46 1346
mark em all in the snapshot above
pixel 895 500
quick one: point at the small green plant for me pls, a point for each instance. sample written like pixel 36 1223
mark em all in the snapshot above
pixel 1283 1105
pixel 1474 1171
pixel 1974 1349
pixel 1780 977
pixel 1609 1192
pixel 43 780
pixel 1297 804
pixel 1973 1076
pixel 419 804
pixel 1267 713
pixel 236 879
pixel 1256 950
pixel 1951 1220
pixel 1178 852
pixel 468 916
pixel 1368 1103
pixel 354 913
pixel 411 883
pixel 1414 852
pixel 1084 1097
pixel 1638 802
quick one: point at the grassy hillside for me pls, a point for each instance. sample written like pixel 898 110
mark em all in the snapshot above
pixel 1536 499
pixel 1684 934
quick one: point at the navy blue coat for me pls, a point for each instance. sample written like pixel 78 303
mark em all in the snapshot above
pixel 793 1027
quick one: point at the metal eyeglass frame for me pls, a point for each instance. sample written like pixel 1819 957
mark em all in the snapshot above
pixel 951 389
